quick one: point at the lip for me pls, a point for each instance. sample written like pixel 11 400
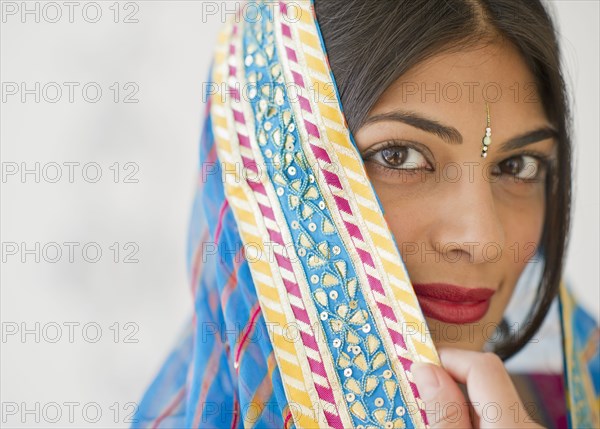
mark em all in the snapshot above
pixel 453 304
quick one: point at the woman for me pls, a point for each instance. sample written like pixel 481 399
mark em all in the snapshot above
pixel 451 162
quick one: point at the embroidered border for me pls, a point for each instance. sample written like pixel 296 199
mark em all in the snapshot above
pixel 318 244
pixel 295 377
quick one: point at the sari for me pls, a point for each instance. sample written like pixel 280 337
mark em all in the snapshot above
pixel 304 312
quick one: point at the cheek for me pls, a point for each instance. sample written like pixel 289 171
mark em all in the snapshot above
pixel 406 211
pixel 523 224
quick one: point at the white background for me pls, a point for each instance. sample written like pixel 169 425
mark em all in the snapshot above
pixel 166 54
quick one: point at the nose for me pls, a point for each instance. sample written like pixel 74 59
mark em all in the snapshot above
pixel 469 227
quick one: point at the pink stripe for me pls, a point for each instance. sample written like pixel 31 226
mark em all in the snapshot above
pixel 284 262
pixel 244 140
pixel 291 287
pixel 220 220
pixel 300 314
pixel 376 285
pixel 246 334
pixel 342 204
pixel 312 129
pixel 283 8
pixel 332 179
pixel 257 187
pixel 309 341
pixel 291 54
pixel 386 311
pixel 304 104
pixel 353 230
pixel 324 392
pixel 235 92
pixel 231 281
pixel 333 420
pixel 399 340
pixel 236 412
pixel 267 211
pixel 298 78
pixel 320 153
pixel 250 164
pixel 212 155
pixel 287 419
pixel 287 32
pixel 238 116
pixel 276 236
pixel 414 389
pixel 176 401
pixel 317 368
pixel 365 257
pixel 406 363
pixel 198 261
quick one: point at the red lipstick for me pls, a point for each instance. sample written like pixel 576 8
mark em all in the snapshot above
pixel 453 304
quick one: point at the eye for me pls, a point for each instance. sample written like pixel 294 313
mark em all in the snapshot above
pixel 522 167
pixel 398 157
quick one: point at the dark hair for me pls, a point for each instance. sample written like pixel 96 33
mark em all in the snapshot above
pixel 371 44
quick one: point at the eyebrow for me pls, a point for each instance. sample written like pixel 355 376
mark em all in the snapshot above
pixel 452 136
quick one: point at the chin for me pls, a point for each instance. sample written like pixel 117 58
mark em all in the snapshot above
pixel 460 336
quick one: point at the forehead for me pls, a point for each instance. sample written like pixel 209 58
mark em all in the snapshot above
pixel 456 85
pixel 498 61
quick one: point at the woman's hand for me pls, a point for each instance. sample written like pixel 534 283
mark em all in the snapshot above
pixel 492 395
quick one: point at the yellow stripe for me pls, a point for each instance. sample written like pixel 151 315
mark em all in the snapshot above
pixel 318 66
pixel 309 39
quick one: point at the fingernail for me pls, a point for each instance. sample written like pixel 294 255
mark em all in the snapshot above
pixel 426 380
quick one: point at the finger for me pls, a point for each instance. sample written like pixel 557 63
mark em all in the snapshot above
pixel 491 391
pixel 445 404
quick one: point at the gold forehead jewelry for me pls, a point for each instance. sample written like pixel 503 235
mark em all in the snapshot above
pixel 487 139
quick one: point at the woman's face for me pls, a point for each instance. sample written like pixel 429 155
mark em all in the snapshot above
pixel 462 222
